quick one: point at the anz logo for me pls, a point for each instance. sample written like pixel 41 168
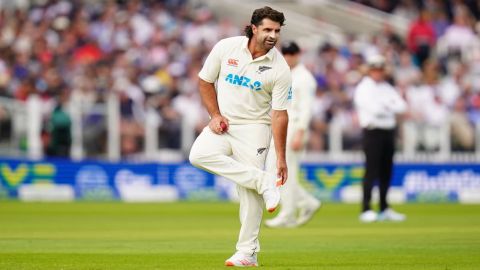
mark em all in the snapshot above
pixel 243 81
pixel 290 93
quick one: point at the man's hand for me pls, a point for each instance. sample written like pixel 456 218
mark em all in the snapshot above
pixel 282 171
pixel 216 124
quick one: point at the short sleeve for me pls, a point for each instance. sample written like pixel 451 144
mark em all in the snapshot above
pixel 211 67
pixel 282 90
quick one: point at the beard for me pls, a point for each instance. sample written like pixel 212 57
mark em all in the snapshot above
pixel 269 43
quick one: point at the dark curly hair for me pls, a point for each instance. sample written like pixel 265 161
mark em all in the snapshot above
pixel 262 13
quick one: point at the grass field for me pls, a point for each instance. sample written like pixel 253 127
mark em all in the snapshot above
pixel 202 235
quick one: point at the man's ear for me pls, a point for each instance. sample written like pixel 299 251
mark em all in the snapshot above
pixel 254 29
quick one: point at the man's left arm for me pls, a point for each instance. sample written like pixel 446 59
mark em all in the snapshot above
pixel 280 93
pixel 279 129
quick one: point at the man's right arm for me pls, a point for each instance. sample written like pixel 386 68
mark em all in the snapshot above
pixel 209 100
pixel 209 97
pixel 207 77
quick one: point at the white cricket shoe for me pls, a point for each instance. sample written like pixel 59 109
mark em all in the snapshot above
pixel 391 215
pixel 368 216
pixel 271 196
pixel 306 213
pixel 280 222
pixel 242 260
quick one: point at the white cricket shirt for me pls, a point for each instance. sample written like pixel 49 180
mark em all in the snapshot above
pixel 304 86
pixel 247 88
pixel 377 104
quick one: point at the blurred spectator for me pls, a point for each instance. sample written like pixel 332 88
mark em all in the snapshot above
pixel 454 84
pixel 406 73
pixel 332 60
pixel 440 22
pixel 59 130
pixel 318 140
pixel 426 107
pixel 187 103
pixel 421 37
pixel 459 38
pixel 452 5
pixel 462 132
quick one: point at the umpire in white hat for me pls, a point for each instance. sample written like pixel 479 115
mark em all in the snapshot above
pixel 378 103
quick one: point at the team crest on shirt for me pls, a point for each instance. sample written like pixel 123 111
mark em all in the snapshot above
pixel 232 62
pixel 262 69
pixel 261 150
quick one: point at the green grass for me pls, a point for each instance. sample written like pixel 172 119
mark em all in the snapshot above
pixel 202 235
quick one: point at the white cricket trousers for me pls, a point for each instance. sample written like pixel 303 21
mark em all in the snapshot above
pixel 239 155
pixel 293 195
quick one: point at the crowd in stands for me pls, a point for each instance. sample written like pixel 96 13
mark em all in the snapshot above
pixel 75 53
pixel 410 8
pixel 148 52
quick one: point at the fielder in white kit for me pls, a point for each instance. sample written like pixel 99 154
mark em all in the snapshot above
pixel 244 79
pixel 297 205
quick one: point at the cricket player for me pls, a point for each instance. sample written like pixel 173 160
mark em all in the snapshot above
pixel 244 85
pixel 298 206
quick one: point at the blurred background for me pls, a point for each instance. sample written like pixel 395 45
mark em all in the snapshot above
pixel 99 99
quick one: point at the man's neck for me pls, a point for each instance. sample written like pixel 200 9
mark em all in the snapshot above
pixel 254 50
